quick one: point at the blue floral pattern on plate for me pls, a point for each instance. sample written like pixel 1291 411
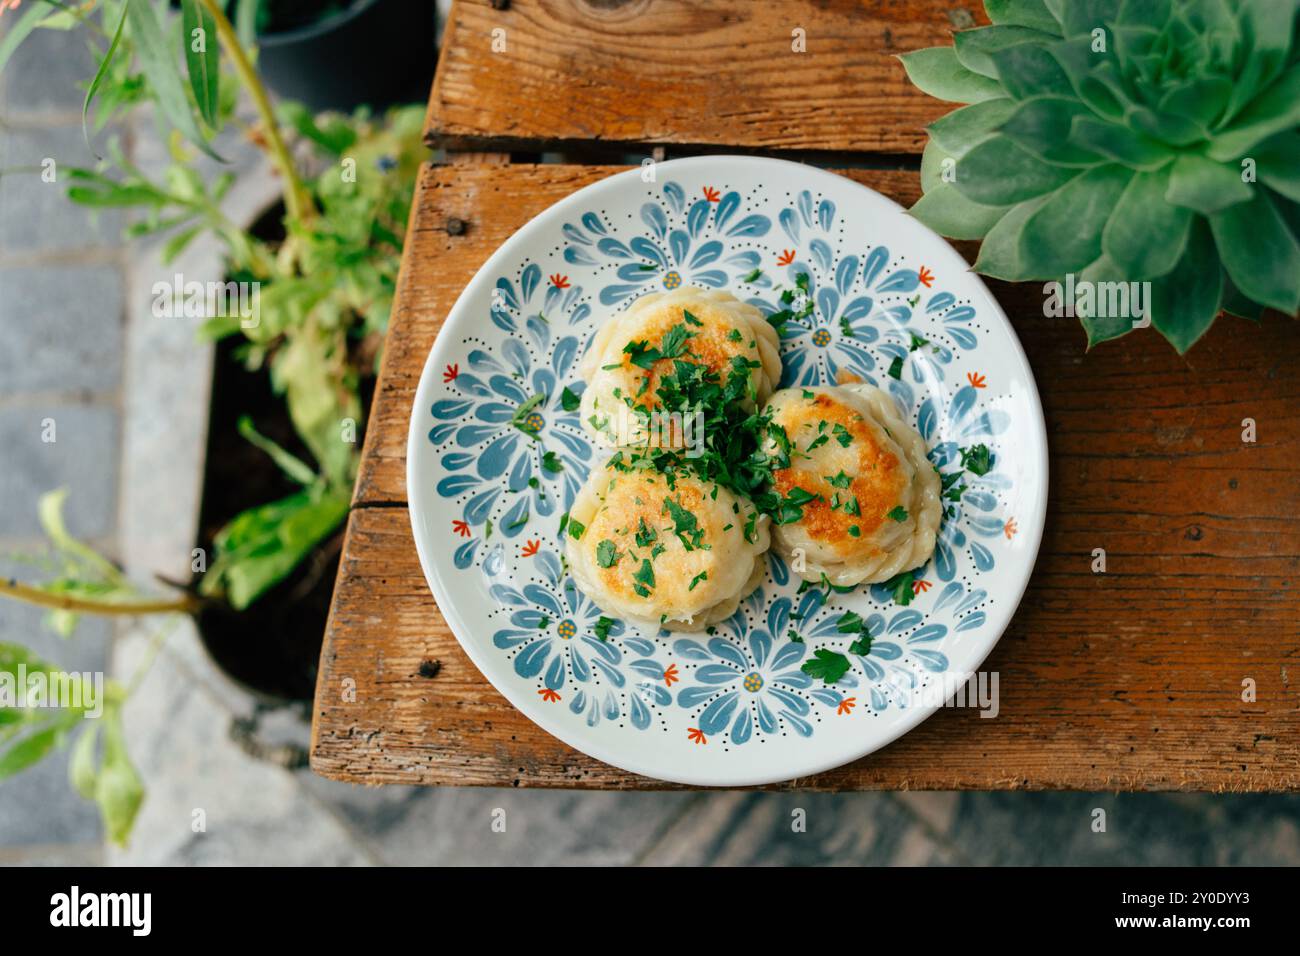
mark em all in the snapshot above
pixel 511 454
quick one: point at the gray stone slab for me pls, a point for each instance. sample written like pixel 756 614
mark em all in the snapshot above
pixel 413 826
pixel 36 216
pixel 795 829
pixel 253 813
pixel 82 458
pixel 47 75
pixel 1141 829
pixel 62 327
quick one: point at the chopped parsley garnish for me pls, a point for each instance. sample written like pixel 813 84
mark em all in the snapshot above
pixel 793 636
pixel 900 586
pixel 734 335
pixel 570 400
pixel 976 459
pixel 644 578
pixel 686 527
pixel 576 528
pixel 753 276
pixel 791 506
pixel 702 576
pixel 602 628
pixel 551 462
pixel 543 622
pixel 898 513
pixel 896 367
pixel 645 535
pixel 855 531
pixel 827 665
pixel 953 486
pixel 690 319
pixel 842 435
pixel 840 480
pixel 917 342
pixel 850 622
pixel 607 554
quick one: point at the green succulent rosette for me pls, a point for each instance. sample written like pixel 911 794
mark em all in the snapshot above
pixel 1125 141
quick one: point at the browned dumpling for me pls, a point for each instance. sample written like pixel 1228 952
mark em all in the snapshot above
pixel 870 499
pixel 679 554
pixel 701 326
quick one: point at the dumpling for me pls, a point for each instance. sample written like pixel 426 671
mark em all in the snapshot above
pixel 633 354
pixel 677 554
pixel 859 496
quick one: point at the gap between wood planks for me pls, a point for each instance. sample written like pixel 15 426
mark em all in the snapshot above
pixel 586 152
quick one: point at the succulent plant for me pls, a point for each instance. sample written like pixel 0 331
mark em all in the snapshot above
pixel 1123 141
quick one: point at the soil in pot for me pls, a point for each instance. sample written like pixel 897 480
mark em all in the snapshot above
pixel 273 647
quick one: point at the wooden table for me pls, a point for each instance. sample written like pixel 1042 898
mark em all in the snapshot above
pixel 1127 680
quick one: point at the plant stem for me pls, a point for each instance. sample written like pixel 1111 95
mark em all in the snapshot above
pixel 297 201
pixel 184 604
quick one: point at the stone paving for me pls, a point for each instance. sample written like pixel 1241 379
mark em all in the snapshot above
pixel 129 397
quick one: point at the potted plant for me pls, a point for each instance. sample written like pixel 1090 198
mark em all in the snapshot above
pixel 1118 142
pixel 322 268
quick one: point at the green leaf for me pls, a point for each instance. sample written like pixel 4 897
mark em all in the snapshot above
pixel 262 545
pixel 951 214
pixel 19 32
pixel 1102 328
pixel 826 665
pixel 49 512
pixel 973 47
pixel 1145 233
pixel 1041 125
pixel 1118 143
pixel 118 789
pixel 1030 70
pixel 963 128
pixel 1083 16
pixel 1024 13
pixel 31 749
pixel 1260 252
pixel 1064 235
pixel 1274 110
pixel 159 66
pixel 105 62
pixel 1205 186
pixel 1277 163
pixel 81 765
pixel 1184 302
pixel 1000 254
pixel 997 172
pixel 1269 25
pixel 203 67
pixel 938 72
pixel 1234 303
pixel 290 464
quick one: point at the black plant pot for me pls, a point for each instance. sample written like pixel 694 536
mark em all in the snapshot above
pixel 375 53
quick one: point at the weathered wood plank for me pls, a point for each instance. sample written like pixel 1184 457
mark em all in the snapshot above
pixel 1127 680
pixel 727 72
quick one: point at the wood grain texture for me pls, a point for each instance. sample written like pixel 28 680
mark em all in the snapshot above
pixel 635 72
pixel 1130 679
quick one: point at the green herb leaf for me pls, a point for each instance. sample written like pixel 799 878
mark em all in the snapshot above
pixel 826 665
pixel 607 554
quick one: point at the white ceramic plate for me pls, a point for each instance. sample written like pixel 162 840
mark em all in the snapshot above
pixel 895 305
